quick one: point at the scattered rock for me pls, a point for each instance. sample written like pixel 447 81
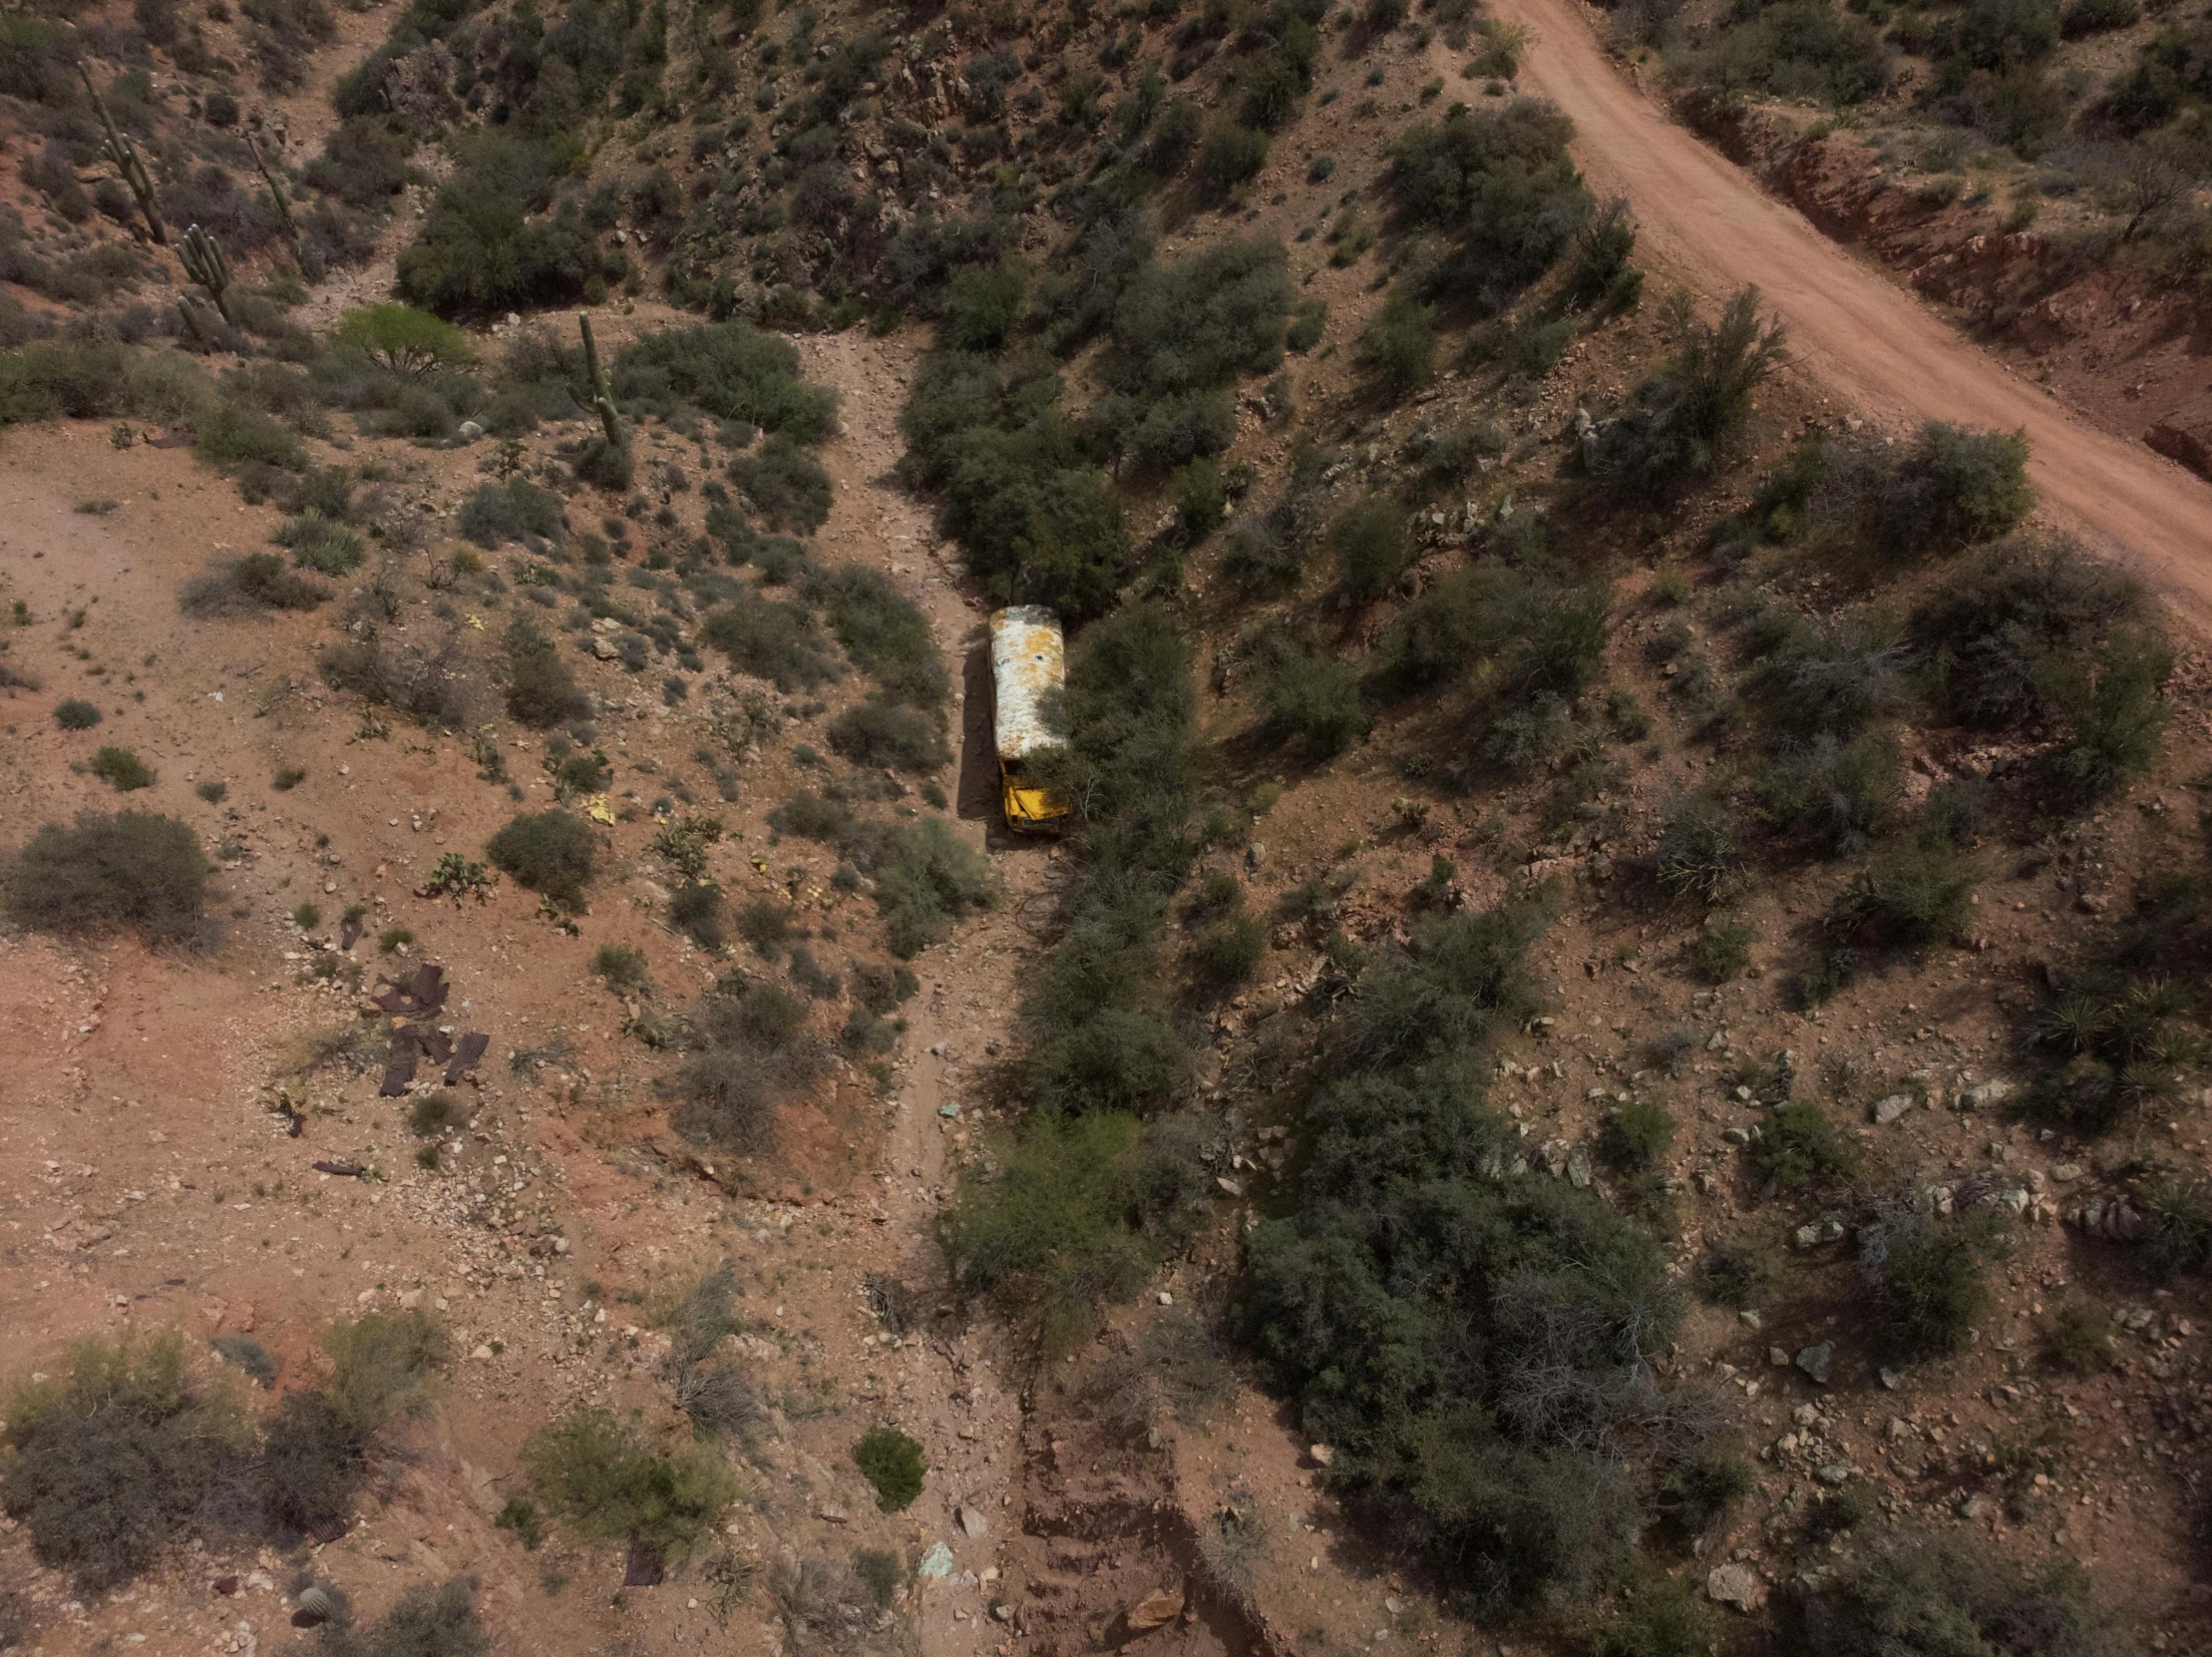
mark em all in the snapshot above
pixel 1993 1091
pixel 1156 1610
pixel 1887 1110
pixel 2065 1173
pixel 1750 1320
pixel 1736 1585
pixel 1835 1474
pixel 1819 1232
pixel 470 431
pixel 973 1523
pixel 1321 1455
pixel 1815 1361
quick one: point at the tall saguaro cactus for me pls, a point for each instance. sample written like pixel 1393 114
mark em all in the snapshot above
pixel 603 394
pixel 276 193
pixel 205 264
pixel 190 313
pixel 119 151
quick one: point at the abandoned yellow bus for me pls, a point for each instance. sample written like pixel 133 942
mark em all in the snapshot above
pixel 1027 665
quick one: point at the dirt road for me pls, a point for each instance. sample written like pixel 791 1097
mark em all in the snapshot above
pixel 1861 338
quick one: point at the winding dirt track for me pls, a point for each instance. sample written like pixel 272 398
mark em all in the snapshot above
pixel 1862 338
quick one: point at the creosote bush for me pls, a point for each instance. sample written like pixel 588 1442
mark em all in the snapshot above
pixel 1924 1272
pixel 894 1464
pixel 129 868
pixel 121 770
pixel 553 853
pixel 601 1475
pixel 1949 1592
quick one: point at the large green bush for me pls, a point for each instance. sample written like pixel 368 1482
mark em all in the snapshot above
pixel 130 868
pixel 1948 1593
pixel 540 689
pixel 553 853
pixel 732 370
pixel 1924 1272
pixel 1687 417
pixel 894 1464
pixel 601 1475
pixel 1372 545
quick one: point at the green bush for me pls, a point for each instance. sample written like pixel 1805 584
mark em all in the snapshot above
pixel 321 544
pixel 1201 498
pixel 598 1472
pixel 551 852
pixel 419 680
pixel 1228 157
pixel 1637 1135
pixel 479 247
pixel 733 372
pixel 925 878
pixel 1314 699
pixel 121 770
pixel 885 633
pixel 1502 182
pixel 771 640
pixel 1984 633
pixel 1691 412
pixel 1799 1147
pixel 2177 1210
pixel 423 1622
pixel 251 584
pixel 1911 892
pixel 495 514
pixel 2112 709
pixel 1697 855
pixel 111 1463
pixel 1659 1618
pixel 1372 546
pixel 2079 1339
pixel 75 714
pixel 982 304
pixel 1925 1275
pixel 1832 797
pixel 1722 948
pixel 230 434
pixel 695 910
pixel 1535 631
pixel 621 966
pixel 1797 49
pixel 1948 1591
pixel 787 487
pixel 754 1051
pixel 1056 1226
pixel 875 735
pixel 1399 345
pixel 892 1463
pixel 403 341
pixel 129 868
pixel 541 688
pixel 435 1115
pixel 1226 951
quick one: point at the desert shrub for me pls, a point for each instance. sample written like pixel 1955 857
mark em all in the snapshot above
pixel 540 689
pixel 1314 699
pixel 435 1113
pixel 1689 413
pixel 111 1463
pixel 1797 49
pixel 2077 1339
pixel 1201 498
pixel 75 714
pixel 787 487
pixel 1737 1270
pixel 733 372
pixel 1399 343
pixel 2177 1210
pixel 1955 488
pixel 982 304
pixel 1822 678
pixel 321 544
pixel 1832 797
pixel 2112 709
pixel 878 735
pixel 517 510
pixel 419 680
pixel 2083 18
pixel 1722 948
pixel 619 967
pixel 753 1051
pixel 1503 184
pixel 1927 1593
pixel 1983 633
pixel 771 640
pixel 1924 1272
pixel 1661 1617
pixel 885 633
pixel 1056 1226
pixel 128 868
pixel 551 852
pixel 695 910
pixel 1267 551
pixel 925 878
pixel 1230 156
pixel 425 1621
pixel 251 584
pixel 481 246
pixel 1697 855
pixel 1799 1148
pixel 894 1464
pixel 121 770
pixel 1101 1035
pixel 1637 1134
pixel 598 1472
pixel 402 340
pixel 1372 546
pixel 234 435
pixel 1226 949
pixel 1911 892
pixel 1531 629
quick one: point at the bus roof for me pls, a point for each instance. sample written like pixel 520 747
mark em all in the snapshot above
pixel 1027 663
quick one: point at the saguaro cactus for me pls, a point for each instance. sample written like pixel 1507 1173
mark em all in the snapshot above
pixel 276 193
pixel 205 264
pixel 124 156
pixel 190 313
pixel 603 395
